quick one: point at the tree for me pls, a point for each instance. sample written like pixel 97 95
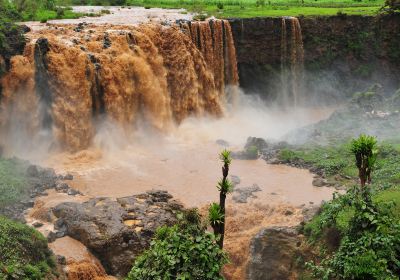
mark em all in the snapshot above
pixel 184 251
pixel 365 152
pixel 217 211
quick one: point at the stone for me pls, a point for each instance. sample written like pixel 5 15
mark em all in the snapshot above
pixel 319 182
pixel 68 177
pixel 62 187
pixel 37 224
pixel 273 254
pixel 235 180
pixel 51 237
pixel 104 224
pixel 72 191
pixel 32 171
pixel 245 193
pixel 260 143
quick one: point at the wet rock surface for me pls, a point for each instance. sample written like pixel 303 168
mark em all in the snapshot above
pixel 273 253
pixel 242 194
pixel 116 231
pixel 38 181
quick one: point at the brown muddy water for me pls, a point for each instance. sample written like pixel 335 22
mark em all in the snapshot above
pixel 186 163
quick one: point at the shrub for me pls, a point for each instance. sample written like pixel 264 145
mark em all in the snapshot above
pixel 183 251
pixel 24 252
pixel 220 5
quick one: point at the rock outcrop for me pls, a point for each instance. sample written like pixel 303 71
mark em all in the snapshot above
pixel 273 253
pixel 116 231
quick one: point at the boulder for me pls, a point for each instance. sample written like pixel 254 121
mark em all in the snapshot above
pixel 117 231
pixel 273 253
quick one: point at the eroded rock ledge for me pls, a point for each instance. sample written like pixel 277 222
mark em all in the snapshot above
pixel 117 231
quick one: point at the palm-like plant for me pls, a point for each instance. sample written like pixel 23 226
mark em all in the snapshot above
pixel 216 212
pixel 215 217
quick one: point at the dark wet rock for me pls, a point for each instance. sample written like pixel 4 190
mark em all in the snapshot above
pixel 37 224
pixel 51 237
pixel 117 231
pixel 260 143
pixel 320 182
pixel 288 212
pixel 15 43
pixel 106 41
pixel 244 193
pixel 273 254
pixel 32 171
pixel 80 27
pixel 62 187
pixel 72 191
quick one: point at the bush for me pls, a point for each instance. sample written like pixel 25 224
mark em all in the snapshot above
pixel 220 5
pixel 24 252
pixel 183 251
pixel 370 241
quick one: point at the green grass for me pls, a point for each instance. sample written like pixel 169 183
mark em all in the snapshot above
pixel 337 162
pixel 44 15
pixel 12 182
pixel 276 8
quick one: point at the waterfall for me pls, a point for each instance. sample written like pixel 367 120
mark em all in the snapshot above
pixel 69 78
pixel 292 61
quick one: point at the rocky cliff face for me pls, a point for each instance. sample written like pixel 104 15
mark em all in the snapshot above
pixel 341 53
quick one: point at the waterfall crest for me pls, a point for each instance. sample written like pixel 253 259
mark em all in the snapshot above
pixel 70 77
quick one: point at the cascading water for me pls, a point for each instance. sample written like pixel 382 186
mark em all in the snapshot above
pixel 292 61
pixel 70 77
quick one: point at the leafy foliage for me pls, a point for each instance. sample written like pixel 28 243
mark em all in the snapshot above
pixel 215 216
pixel 365 152
pixel 184 251
pixel 370 244
pixel 24 252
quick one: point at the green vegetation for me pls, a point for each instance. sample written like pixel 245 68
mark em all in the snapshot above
pixel 12 182
pixel 217 211
pixel 357 234
pixel 272 8
pixel 364 150
pixel 42 10
pixel 184 251
pixel 24 253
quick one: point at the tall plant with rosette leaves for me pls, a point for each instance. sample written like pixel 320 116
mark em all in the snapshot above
pixel 217 211
pixel 365 151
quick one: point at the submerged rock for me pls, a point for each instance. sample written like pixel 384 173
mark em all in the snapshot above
pixel 117 231
pixel 244 193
